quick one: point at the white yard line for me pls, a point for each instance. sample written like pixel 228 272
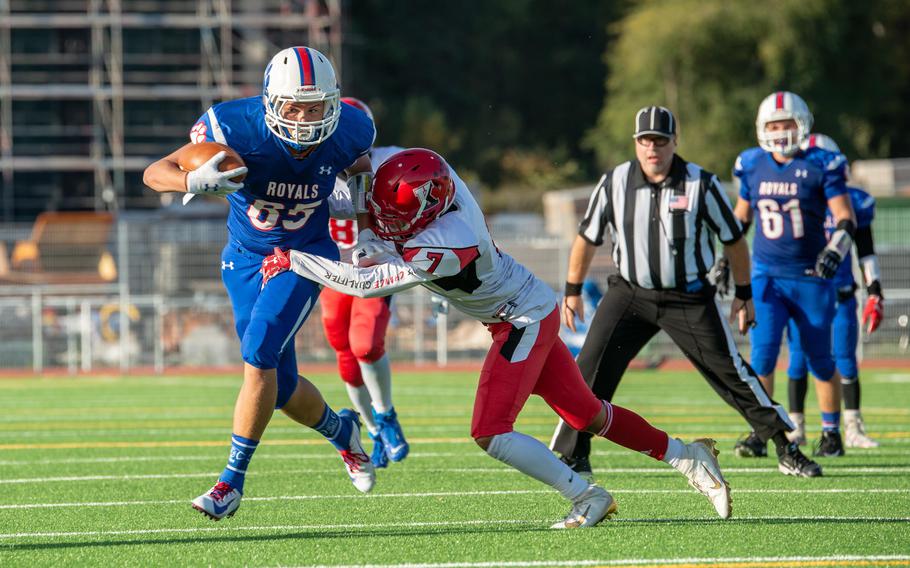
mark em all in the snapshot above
pixel 493 470
pixel 417 495
pixel 751 561
pixel 415 524
pixel 217 455
pixel 848 560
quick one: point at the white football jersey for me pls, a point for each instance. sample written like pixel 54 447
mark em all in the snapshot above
pixel 454 257
pixel 343 224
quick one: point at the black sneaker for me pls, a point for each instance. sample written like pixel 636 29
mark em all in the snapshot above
pixel 794 462
pixel 829 445
pixel 580 465
pixel 751 447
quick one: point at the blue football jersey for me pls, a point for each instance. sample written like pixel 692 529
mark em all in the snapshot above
pixel 864 207
pixel 790 201
pixel 284 200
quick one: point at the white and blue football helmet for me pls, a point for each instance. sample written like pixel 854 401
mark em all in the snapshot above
pixel 783 105
pixel 822 141
pixel 301 75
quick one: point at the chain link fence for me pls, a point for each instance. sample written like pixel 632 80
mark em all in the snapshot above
pixel 149 296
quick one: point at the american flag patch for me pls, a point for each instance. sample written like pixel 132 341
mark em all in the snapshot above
pixel 679 202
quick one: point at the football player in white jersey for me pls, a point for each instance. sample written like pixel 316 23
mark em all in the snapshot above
pixel 434 234
pixel 356 328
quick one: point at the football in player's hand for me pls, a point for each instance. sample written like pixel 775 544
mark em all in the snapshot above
pixel 197 154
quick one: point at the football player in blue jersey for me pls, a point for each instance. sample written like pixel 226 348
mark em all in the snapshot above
pixel 846 324
pixel 790 190
pixel 294 139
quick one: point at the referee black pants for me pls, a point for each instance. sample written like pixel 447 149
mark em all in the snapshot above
pixel 629 316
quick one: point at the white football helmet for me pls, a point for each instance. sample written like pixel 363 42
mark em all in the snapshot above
pixel 783 105
pixel 301 75
pixel 822 141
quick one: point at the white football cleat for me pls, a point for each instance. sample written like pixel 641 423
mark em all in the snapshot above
pixel 220 501
pixel 699 465
pixel 591 507
pixel 855 435
pixel 798 434
pixel 356 461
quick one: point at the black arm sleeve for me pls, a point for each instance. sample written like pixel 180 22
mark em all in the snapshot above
pixel 864 244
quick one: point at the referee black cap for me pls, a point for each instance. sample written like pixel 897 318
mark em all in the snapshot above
pixel 655 120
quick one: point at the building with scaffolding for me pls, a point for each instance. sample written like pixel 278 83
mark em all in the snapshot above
pixel 92 90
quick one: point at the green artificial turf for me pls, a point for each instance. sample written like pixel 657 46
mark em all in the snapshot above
pixel 100 472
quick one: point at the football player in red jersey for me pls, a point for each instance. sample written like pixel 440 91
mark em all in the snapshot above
pixel 355 328
pixel 435 235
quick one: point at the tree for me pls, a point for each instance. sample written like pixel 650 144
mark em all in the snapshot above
pixel 488 84
pixel 713 61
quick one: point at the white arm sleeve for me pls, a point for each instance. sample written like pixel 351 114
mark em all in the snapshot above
pixel 372 282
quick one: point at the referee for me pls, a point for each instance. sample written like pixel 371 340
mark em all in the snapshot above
pixel 662 214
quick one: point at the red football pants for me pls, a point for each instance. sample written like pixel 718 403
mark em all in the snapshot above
pixel 355 328
pixel 525 361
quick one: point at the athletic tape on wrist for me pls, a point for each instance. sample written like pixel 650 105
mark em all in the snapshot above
pixel 359 185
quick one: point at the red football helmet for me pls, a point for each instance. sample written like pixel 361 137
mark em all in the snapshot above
pixel 410 190
pixel 357 103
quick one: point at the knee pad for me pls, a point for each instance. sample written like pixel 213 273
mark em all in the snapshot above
pixel 849 372
pixel 368 352
pixel 500 447
pixel 763 364
pixel 797 370
pixel 822 368
pixel 349 370
pixel 287 384
pixel 336 334
pixel 258 348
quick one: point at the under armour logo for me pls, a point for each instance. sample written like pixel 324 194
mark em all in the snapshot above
pixel 227 265
pixel 325 170
pixel 801 173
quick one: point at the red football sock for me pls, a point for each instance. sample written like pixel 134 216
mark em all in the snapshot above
pixel 630 430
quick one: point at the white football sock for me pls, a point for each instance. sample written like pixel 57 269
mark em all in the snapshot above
pixel 675 450
pixel 360 398
pixel 533 459
pixel 377 376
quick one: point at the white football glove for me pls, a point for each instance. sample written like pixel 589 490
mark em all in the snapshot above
pixel 208 180
pixel 371 250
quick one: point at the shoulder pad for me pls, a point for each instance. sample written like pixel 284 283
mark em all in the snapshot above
pixel 863 206
pixel 825 159
pixel 746 159
pixel 238 123
pixel 355 133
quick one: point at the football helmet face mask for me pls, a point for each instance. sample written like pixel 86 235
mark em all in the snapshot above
pixel 783 105
pixel 301 75
pixel 411 189
pixel 822 141
pixel 357 103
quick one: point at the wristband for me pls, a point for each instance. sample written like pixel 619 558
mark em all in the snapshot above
pixel 743 292
pixel 573 289
pixel 875 289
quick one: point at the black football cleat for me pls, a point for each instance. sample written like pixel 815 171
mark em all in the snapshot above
pixel 829 445
pixel 580 465
pixel 793 462
pixel 751 447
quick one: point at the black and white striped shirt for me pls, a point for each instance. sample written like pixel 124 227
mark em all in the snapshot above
pixel 662 233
